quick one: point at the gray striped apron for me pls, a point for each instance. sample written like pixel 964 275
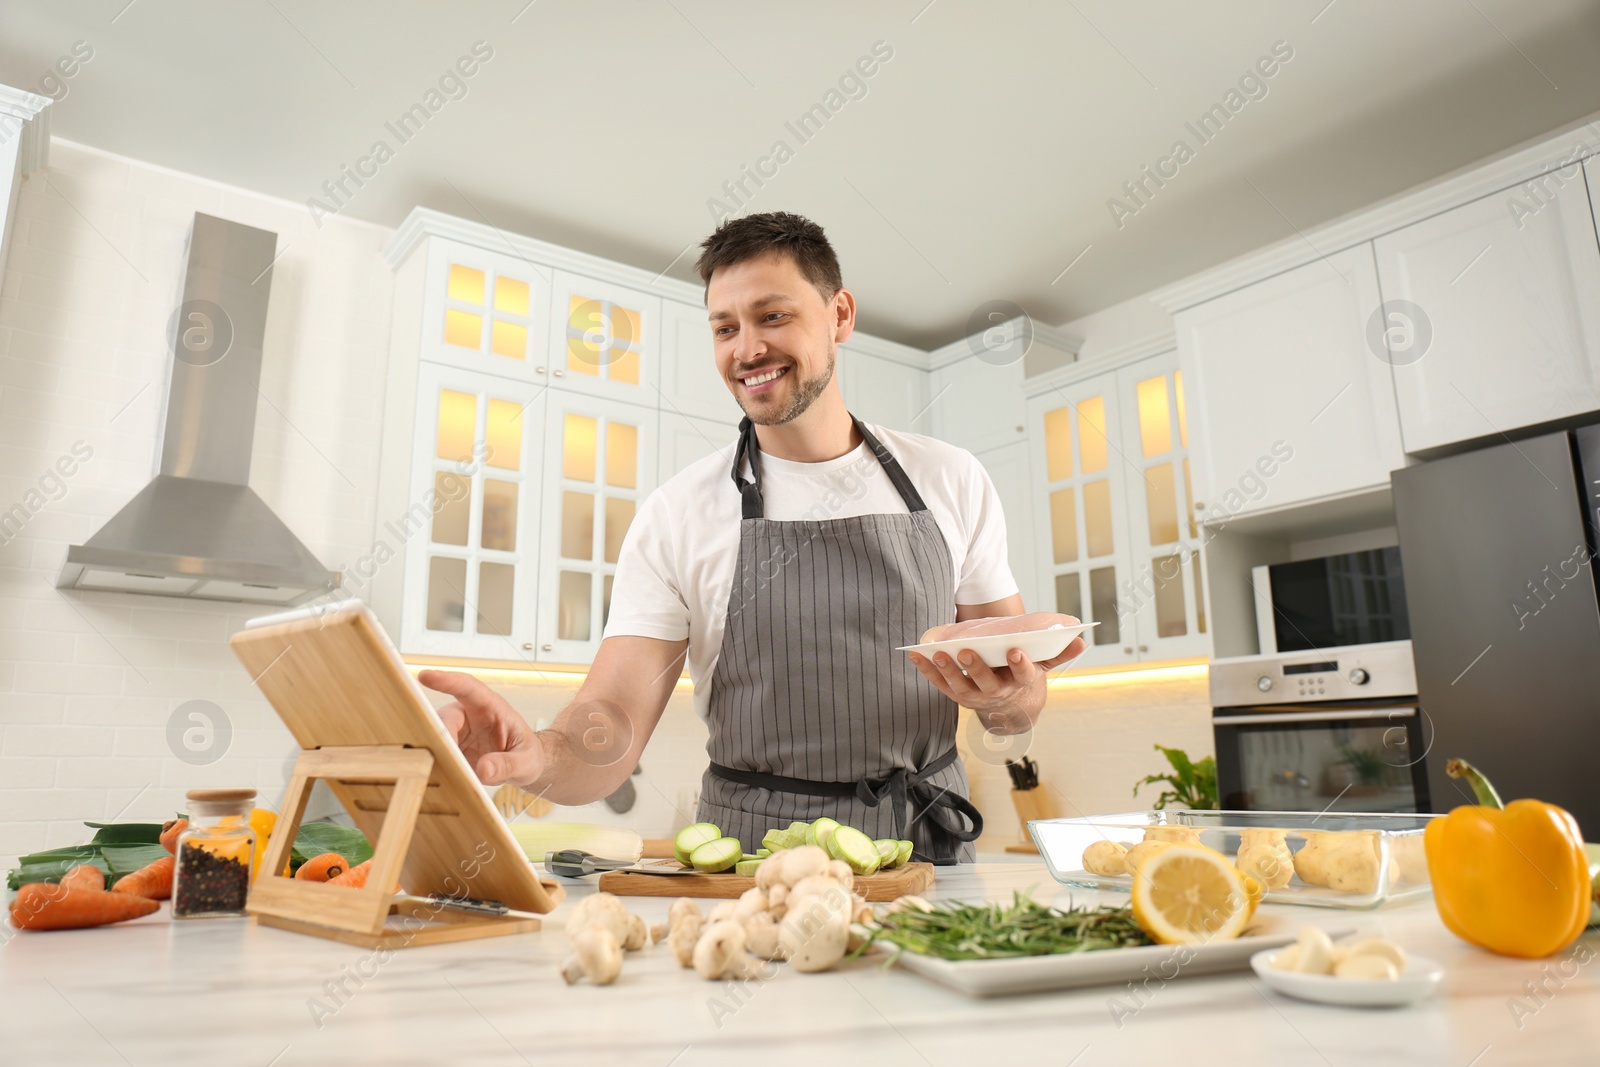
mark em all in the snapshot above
pixel 812 711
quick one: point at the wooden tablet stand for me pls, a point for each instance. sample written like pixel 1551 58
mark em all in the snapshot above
pixel 365 727
pixel 391 780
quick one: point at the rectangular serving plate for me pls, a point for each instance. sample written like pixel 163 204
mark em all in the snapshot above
pixel 1043 974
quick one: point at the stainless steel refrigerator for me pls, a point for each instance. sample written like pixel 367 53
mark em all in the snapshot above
pixel 1500 573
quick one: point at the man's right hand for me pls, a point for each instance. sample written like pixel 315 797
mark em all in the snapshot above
pixel 498 742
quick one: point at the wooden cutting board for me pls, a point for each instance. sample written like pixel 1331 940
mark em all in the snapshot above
pixel 880 886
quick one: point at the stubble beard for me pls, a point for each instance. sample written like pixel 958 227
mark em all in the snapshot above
pixel 805 394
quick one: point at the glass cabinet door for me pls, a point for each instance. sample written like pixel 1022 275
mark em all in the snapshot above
pixel 605 340
pixel 1164 589
pixel 469 528
pixel 486 312
pixel 1079 515
pixel 600 463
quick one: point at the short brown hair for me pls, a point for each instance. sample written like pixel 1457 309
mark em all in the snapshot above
pixel 797 237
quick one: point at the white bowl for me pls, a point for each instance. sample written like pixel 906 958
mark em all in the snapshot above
pixel 1037 645
pixel 1417 982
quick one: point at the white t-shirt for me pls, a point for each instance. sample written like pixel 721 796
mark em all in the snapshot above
pixel 675 571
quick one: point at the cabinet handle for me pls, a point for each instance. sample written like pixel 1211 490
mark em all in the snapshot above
pixel 548 648
pixel 559 373
pixel 1144 648
pixel 527 646
pixel 1199 505
pixel 1127 651
pixel 1021 429
pixel 538 370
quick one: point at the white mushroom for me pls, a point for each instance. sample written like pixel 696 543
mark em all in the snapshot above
pixel 816 931
pixel 910 900
pixel 722 911
pixel 720 952
pixel 596 955
pixel 750 902
pixel 761 936
pixel 841 870
pixel 606 911
pixel 684 923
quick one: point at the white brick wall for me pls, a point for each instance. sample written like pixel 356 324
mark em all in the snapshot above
pixel 89 680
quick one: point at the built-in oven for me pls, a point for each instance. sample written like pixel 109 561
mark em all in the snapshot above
pixel 1326 717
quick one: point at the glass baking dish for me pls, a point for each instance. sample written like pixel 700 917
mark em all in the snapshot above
pixel 1332 860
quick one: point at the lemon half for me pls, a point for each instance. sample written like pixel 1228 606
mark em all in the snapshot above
pixel 1190 894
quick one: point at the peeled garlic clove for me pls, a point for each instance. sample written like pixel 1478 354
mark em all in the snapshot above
pixel 1367 966
pixel 1383 948
pixel 1316 951
pixel 1287 959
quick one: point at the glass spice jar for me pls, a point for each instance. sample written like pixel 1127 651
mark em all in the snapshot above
pixel 215 855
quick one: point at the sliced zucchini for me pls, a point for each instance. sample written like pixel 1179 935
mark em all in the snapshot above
pixel 692 837
pixel 763 853
pixel 906 848
pixel 856 849
pixel 775 840
pixel 718 855
pixel 822 830
pixel 888 853
pixel 746 867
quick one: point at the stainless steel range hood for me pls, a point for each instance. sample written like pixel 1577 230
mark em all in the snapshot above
pixel 198 530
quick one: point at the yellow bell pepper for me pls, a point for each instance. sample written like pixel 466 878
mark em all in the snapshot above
pixel 1511 878
pixel 262 822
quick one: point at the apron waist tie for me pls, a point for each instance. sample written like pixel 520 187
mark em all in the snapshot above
pixel 901 788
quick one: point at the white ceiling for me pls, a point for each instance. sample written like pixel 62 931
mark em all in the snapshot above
pixel 977 166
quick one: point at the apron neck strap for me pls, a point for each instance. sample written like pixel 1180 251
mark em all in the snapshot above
pixel 751 505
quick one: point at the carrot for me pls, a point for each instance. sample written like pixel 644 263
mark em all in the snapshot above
pixel 42 906
pixel 83 876
pixel 355 877
pixel 152 881
pixel 322 868
pixel 170 831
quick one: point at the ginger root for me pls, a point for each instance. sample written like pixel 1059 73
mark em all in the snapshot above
pixel 1106 858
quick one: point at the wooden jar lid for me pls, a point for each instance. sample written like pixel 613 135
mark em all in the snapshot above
pixel 210 795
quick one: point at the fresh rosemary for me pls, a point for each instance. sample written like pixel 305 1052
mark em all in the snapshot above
pixel 955 931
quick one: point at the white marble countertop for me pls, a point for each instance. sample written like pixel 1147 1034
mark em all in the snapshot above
pixel 231 993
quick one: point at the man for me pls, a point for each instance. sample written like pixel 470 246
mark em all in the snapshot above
pixel 787 568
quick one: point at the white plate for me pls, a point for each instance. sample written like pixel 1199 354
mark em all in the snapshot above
pixel 1420 978
pixel 1037 645
pixel 1039 974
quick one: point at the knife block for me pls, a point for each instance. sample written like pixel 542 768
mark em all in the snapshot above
pixel 1031 804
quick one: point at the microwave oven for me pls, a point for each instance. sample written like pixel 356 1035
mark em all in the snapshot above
pixel 1354 598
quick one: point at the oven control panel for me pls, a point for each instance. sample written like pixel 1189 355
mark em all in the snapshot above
pixel 1354 672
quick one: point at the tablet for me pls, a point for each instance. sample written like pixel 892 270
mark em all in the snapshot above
pixel 337 682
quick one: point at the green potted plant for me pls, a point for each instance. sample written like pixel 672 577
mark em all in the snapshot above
pixel 1193 782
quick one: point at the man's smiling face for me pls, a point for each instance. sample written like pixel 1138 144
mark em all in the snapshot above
pixel 776 336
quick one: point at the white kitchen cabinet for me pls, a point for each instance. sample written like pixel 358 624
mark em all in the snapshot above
pixel 598 466
pixel 1507 309
pixel 605 339
pixel 1115 541
pixel 24 148
pixel 1080 520
pixel 1165 590
pixel 486 311
pixel 685 440
pixel 977 405
pixel 884 392
pixel 1009 469
pixel 524 495
pixel 471 530
pixel 1287 399
pixel 691 385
